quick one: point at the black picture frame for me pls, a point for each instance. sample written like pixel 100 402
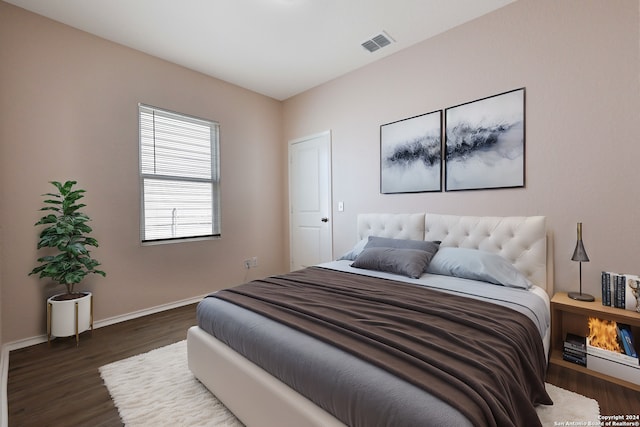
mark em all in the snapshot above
pixel 485 143
pixel 411 154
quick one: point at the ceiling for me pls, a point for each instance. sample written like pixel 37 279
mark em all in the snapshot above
pixel 278 48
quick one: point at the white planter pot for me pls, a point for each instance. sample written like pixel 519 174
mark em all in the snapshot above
pixel 69 317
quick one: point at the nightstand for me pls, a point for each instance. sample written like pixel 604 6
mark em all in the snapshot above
pixel 571 316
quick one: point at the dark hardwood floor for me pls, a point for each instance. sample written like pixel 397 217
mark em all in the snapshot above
pixel 60 385
pixel 613 399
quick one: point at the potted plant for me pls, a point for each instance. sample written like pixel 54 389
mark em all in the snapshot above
pixel 66 233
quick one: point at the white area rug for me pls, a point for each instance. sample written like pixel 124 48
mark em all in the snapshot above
pixel 157 389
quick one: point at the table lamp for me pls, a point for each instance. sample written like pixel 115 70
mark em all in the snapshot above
pixel 580 255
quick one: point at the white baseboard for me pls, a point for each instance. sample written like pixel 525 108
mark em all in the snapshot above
pixel 146 312
pixel 4 371
pixel 26 342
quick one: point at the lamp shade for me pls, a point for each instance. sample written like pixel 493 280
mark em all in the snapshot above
pixel 579 253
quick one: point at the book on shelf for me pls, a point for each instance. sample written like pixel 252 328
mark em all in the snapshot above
pixel 606 287
pixel 575 349
pixel 575 342
pixel 620 290
pixel 580 360
pixel 626 337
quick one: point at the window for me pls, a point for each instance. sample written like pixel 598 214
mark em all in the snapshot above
pixel 179 176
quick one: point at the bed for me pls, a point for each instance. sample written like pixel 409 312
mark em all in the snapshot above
pixel 273 366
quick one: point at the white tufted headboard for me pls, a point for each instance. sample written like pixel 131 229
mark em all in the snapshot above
pixel 522 240
pixel 397 226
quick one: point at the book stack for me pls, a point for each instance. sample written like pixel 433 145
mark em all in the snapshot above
pixel 621 290
pixel 575 349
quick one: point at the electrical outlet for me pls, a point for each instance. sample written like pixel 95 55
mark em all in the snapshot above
pixel 251 262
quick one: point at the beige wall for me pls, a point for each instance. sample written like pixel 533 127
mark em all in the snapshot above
pixel 579 61
pixel 68 110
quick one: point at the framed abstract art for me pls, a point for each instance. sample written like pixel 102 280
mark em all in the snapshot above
pixel 485 143
pixel 411 154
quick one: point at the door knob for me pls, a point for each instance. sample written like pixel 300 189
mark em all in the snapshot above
pixel 325 219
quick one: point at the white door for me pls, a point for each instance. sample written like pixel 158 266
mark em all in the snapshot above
pixel 310 227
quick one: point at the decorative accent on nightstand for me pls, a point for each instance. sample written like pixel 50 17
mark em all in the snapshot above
pixel 580 255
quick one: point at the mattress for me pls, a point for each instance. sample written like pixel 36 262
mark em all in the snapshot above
pixel 315 368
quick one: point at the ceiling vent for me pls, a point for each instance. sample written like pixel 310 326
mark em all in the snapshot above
pixel 377 42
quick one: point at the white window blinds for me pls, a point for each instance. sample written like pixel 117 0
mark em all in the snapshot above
pixel 180 178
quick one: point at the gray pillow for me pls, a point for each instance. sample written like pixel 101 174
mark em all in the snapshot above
pixel 477 265
pixel 406 262
pixel 384 242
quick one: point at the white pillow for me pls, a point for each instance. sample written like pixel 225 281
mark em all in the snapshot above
pixel 477 265
pixel 355 251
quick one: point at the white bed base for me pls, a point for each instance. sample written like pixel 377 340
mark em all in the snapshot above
pixel 251 393
pixel 259 399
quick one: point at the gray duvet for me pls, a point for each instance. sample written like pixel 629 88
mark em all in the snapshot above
pixel 318 370
pixel 315 369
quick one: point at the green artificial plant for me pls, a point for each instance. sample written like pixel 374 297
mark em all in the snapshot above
pixel 67 232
